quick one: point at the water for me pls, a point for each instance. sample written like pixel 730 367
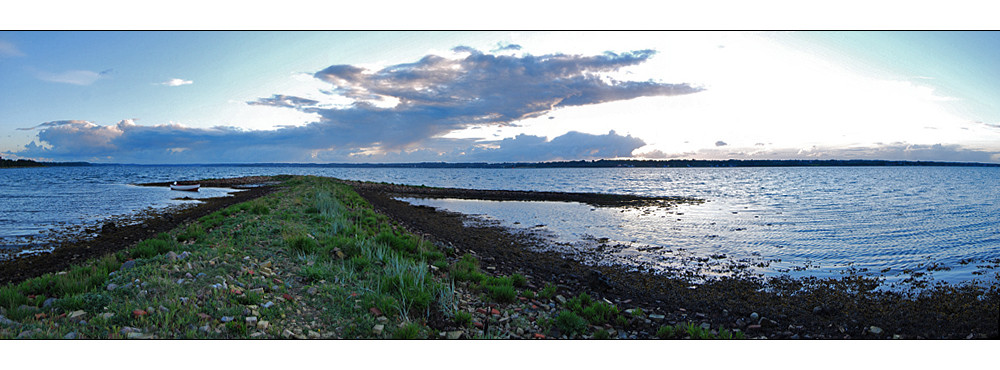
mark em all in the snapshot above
pixel 877 218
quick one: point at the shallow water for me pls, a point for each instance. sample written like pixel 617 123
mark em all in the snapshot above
pixel 878 218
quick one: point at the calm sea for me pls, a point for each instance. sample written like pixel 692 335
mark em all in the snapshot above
pixel 827 219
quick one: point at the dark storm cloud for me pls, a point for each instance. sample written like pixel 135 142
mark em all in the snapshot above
pixel 396 109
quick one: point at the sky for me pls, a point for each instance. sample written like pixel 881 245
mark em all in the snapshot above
pixel 239 97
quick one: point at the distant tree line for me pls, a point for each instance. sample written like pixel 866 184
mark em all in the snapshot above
pixel 671 163
pixel 11 163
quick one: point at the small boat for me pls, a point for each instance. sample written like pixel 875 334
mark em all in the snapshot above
pixel 194 187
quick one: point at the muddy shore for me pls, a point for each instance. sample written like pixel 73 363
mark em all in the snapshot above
pixel 114 237
pixel 782 308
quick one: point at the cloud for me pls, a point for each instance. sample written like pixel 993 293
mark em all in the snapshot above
pixel 75 77
pixel 176 82
pixel 506 47
pixel 398 112
pixel 8 49
pixel 720 143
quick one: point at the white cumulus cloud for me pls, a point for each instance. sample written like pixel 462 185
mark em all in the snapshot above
pixel 176 82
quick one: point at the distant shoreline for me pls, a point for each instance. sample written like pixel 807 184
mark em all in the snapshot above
pixel 603 163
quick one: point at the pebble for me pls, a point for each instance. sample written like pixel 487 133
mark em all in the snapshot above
pixel 8 322
pixel 184 255
pixel 129 329
pixel 267 304
pixel 313 335
pixel 226 319
pixel 311 290
pixel 49 302
pixel 107 315
pixel 377 330
pixel 287 334
pixel 112 286
pixel 75 314
pixel 127 265
pixel 457 334
pixel 817 310
pixel 252 320
pixel 262 325
pixel 201 274
pixel 189 276
pixel 171 256
pixel 754 316
pixel 180 281
pixel 164 309
pixel 875 330
pixel 561 299
pixel 70 335
pixel 656 316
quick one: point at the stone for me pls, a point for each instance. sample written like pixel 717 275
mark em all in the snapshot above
pixel 48 302
pixel 252 320
pixel 262 325
pixel 313 334
pixel 754 316
pixel 184 255
pixel 311 291
pixel 8 322
pixel 656 316
pixel 112 286
pixel 257 290
pixel 129 329
pixel 267 304
pixel 875 330
pixel 457 334
pixel 164 309
pixel 28 333
pixel 107 315
pixel 377 330
pixel 287 334
pixel 538 336
pixel 70 335
pixel 171 256
pixel 817 310
pixel 375 311
pixel 127 265
pixel 138 336
pixel 706 326
pixel 76 314
pixel 139 313
pixel 226 318
pixel 561 299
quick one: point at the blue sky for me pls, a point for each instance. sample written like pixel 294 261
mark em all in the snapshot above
pixel 204 97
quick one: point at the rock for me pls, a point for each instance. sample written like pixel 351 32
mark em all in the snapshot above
pixel 754 316
pixel 262 325
pixel 706 326
pixel 656 317
pixel 313 334
pixel 180 281
pixel 139 313
pixel 205 328
pixel 875 330
pixel 311 291
pixel 252 320
pixel 70 335
pixel 8 322
pixel 538 336
pixel 184 255
pixel 28 333
pixel 107 315
pixel 48 302
pixel 257 290
pixel 76 314
pixel 267 304
pixel 127 265
pixel 226 318
pixel 457 334
pixel 817 310
pixel 287 334
pixel 561 299
pixel 375 311
pixel 138 336
pixel 171 256
pixel 129 329
pixel 377 330
pixel 164 309
pixel 112 286
pixel 754 326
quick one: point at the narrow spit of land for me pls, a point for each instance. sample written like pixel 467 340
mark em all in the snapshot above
pixel 312 257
